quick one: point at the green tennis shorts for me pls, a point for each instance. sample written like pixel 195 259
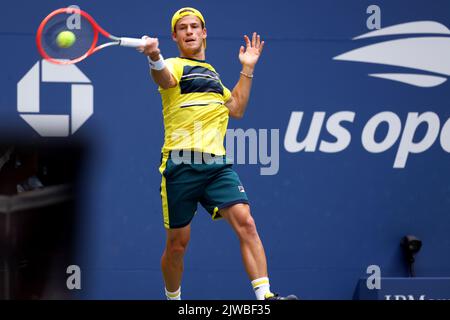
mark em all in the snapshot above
pixel 186 183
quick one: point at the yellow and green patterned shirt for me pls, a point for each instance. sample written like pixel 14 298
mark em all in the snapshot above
pixel 194 111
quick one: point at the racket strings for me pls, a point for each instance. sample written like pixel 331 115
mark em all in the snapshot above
pixel 82 29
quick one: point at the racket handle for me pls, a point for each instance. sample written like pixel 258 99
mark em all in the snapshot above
pixel 132 42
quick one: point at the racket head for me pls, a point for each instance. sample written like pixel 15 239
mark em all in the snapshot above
pixel 86 31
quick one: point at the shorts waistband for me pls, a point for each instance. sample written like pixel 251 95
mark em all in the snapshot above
pixel 195 157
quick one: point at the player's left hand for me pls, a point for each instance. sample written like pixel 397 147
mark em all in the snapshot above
pixel 249 56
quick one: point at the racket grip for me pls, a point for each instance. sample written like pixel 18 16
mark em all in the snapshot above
pixel 132 42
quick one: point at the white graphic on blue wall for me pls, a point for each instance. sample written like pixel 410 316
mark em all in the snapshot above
pixel 51 125
pixel 426 55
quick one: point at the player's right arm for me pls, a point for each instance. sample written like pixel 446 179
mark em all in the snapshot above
pixel 164 77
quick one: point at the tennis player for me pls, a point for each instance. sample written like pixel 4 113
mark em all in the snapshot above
pixel 196 108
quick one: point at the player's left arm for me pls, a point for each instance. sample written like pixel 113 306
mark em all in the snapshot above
pixel 248 57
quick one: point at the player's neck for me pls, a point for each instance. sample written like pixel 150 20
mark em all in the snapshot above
pixel 196 56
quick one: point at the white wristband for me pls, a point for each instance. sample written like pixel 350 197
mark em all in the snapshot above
pixel 156 65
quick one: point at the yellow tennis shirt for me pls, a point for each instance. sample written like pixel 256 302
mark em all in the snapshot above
pixel 194 111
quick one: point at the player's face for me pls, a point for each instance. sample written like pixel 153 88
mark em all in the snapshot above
pixel 189 35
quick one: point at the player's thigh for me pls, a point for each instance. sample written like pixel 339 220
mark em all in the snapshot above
pixel 179 202
pixel 222 191
pixel 180 192
pixel 178 237
pixel 237 215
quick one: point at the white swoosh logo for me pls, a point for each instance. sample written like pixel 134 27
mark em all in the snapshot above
pixel 430 54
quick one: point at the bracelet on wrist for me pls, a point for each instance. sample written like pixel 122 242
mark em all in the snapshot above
pixel 247 75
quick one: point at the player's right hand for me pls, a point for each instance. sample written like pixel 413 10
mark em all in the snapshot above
pixel 151 48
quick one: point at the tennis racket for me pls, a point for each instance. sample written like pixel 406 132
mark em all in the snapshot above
pixel 86 32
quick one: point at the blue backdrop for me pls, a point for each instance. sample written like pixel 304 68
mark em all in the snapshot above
pixel 323 217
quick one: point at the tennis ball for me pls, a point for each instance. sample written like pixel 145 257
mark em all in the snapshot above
pixel 65 39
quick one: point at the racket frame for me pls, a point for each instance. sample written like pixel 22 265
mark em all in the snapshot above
pixel 117 41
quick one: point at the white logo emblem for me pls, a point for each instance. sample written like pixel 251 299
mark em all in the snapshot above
pixel 429 54
pixel 50 125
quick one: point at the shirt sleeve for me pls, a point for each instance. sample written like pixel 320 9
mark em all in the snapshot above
pixel 226 94
pixel 175 68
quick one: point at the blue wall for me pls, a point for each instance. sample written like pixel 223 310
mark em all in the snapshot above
pixel 323 218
